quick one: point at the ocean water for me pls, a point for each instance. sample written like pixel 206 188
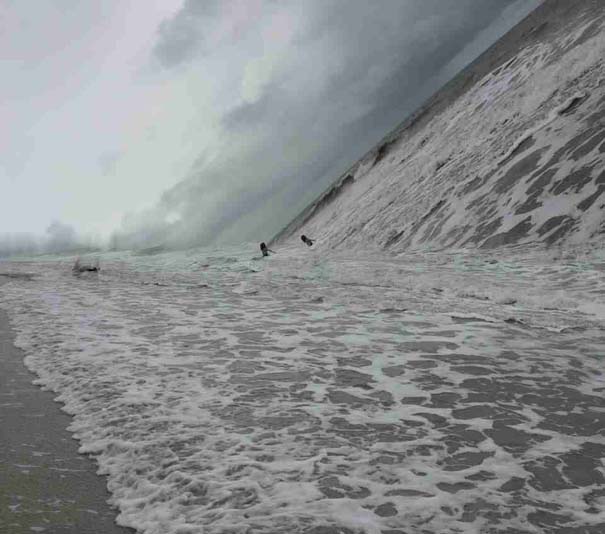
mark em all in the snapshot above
pixel 322 393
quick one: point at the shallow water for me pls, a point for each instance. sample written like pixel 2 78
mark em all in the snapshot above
pixel 321 393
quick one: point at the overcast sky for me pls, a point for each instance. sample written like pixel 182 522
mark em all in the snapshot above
pixel 202 120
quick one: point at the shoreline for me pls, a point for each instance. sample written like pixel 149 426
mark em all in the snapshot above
pixel 352 394
pixel 45 484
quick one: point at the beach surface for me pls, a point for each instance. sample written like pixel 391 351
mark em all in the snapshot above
pixel 314 392
pixel 434 364
pixel 45 485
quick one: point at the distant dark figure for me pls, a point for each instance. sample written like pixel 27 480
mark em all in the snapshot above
pixel 265 250
pixel 306 240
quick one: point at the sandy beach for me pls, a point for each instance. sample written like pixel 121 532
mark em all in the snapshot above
pixel 45 485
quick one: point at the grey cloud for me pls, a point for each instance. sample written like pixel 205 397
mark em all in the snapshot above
pixel 409 56
pixel 252 113
pixel 182 36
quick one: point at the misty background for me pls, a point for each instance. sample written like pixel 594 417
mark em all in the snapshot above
pixel 131 124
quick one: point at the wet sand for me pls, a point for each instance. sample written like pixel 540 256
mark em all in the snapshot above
pixel 45 485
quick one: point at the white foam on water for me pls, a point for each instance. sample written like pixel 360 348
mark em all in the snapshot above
pixel 357 396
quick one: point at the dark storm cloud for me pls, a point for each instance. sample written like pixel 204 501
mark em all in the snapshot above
pixel 409 40
pixel 350 72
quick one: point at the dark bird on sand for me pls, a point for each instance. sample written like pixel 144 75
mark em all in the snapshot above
pixel 306 240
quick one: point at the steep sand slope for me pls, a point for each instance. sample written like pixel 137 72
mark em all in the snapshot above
pixel 509 152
